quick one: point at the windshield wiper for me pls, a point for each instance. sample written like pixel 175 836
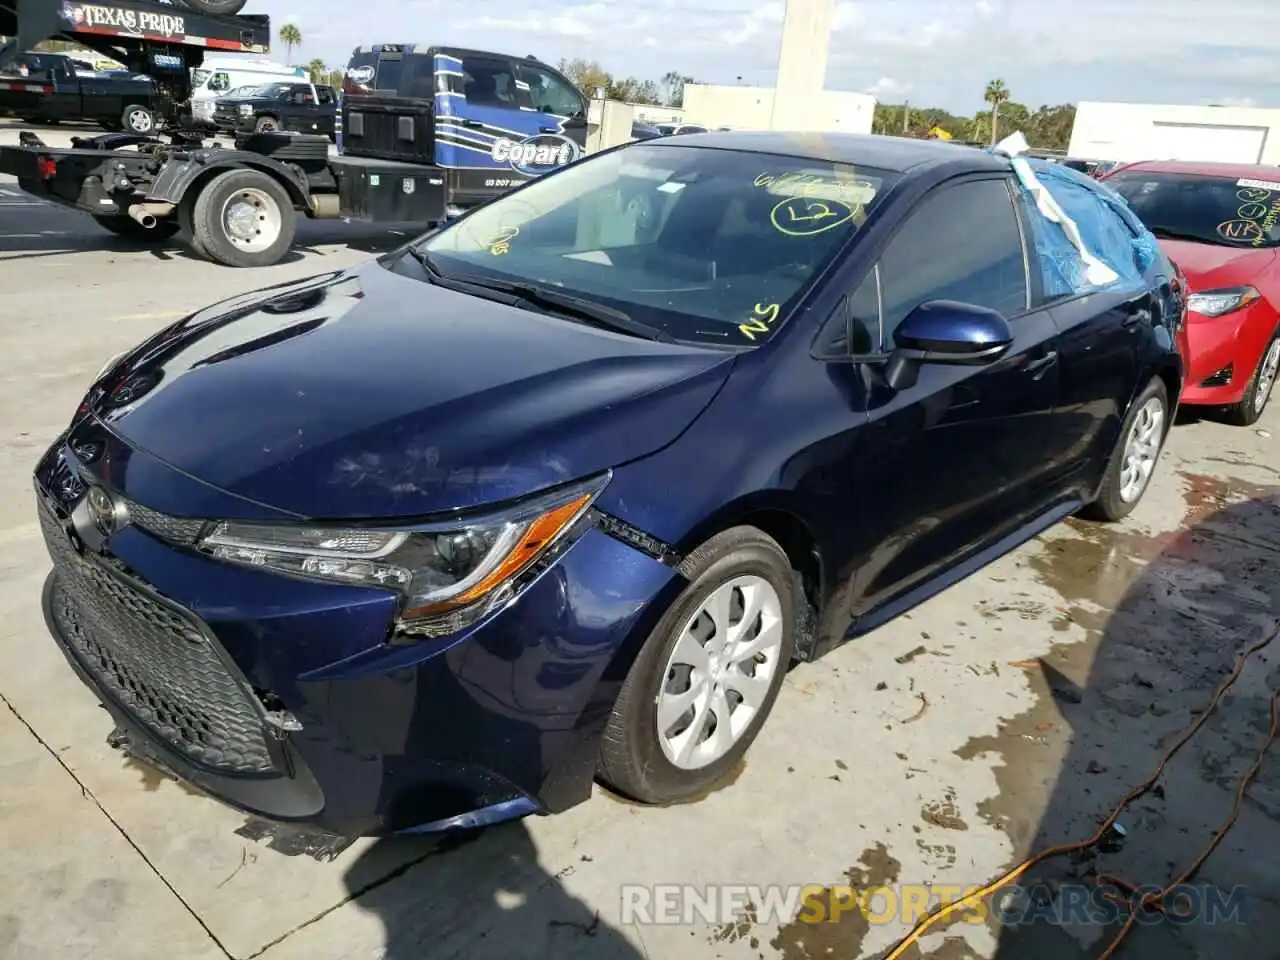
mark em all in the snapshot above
pixel 578 308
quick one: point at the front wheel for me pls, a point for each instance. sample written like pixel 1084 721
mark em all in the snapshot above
pixel 266 125
pixel 708 675
pixel 1261 385
pixel 244 218
pixel 1134 458
pixel 138 119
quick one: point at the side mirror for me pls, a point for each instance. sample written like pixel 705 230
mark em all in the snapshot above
pixel 949 332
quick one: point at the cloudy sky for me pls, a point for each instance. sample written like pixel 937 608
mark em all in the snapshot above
pixel 932 52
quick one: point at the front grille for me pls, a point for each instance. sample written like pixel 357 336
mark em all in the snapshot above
pixel 157 660
pixel 182 530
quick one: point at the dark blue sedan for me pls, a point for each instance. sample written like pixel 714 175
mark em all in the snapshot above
pixel 561 490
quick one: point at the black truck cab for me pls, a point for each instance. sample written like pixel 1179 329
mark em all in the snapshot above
pixel 284 106
pixel 488 121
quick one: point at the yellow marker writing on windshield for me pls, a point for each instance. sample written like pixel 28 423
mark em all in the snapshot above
pixel 500 242
pixel 761 317
pixel 804 217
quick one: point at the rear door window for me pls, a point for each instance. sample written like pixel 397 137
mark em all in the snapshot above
pixel 489 82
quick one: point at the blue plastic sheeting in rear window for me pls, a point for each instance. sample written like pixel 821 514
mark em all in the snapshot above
pixel 1101 216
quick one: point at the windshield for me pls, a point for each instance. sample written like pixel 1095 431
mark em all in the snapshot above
pixel 1218 210
pixel 707 245
pixel 271 90
pixel 200 77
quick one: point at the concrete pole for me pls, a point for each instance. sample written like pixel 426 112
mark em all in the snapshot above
pixel 802 61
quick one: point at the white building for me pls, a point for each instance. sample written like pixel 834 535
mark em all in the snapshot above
pixel 752 108
pixel 1145 131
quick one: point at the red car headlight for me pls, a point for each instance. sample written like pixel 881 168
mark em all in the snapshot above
pixel 1219 303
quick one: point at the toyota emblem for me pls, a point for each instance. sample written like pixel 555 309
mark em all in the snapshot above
pixel 102 511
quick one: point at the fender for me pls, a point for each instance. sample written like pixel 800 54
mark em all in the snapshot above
pixel 182 171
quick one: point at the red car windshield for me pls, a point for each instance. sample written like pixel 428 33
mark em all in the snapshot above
pixel 1218 210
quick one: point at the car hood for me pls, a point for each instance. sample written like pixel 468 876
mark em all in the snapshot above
pixel 368 393
pixel 1209 265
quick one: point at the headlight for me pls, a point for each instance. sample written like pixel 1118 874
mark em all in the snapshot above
pixel 1218 303
pixel 448 575
pixel 246 110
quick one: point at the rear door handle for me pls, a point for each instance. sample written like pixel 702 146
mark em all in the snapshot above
pixel 548 129
pixel 472 123
pixel 1038 368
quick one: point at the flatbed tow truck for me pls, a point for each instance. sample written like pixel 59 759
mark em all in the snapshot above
pixel 236 206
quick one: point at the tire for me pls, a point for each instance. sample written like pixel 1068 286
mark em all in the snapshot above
pixel 1261 386
pixel 1112 503
pixel 266 124
pixel 267 238
pixel 131 229
pixel 138 119
pixel 186 226
pixel 634 760
pixel 219 8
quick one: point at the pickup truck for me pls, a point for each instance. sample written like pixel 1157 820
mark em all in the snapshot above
pixel 276 107
pixel 50 87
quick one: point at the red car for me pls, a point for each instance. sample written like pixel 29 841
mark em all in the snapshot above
pixel 1220 223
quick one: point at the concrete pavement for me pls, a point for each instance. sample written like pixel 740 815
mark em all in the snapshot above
pixel 1006 714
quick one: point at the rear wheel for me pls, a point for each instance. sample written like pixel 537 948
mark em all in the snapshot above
pixel 244 218
pixel 708 675
pixel 1261 386
pixel 1134 458
pixel 138 119
pixel 131 229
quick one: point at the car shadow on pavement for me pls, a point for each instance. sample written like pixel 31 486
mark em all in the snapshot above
pixel 478 895
pixel 1186 607
pixel 365 238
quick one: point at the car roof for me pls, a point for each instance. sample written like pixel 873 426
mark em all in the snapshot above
pixel 1197 168
pixel 895 154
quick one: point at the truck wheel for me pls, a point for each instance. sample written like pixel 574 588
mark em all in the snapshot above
pixel 131 229
pixel 266 125
pixel 219 8
pixel 244 218
pixel 138 119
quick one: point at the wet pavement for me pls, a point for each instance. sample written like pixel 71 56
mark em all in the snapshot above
pixel 1006 715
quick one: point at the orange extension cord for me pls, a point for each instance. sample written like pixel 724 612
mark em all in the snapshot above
pixel 1155 899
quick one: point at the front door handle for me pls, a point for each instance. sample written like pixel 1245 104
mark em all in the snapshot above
pixel 1038 368
pixel 472 123
pixel 548 129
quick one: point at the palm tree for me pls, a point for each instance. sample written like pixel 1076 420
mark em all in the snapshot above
pixel 317 70
pixel 996 94
pixel 291 37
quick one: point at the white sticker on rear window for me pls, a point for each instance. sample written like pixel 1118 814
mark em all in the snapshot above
pixel 818 186
pixel 670 187
pixel 1273 185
